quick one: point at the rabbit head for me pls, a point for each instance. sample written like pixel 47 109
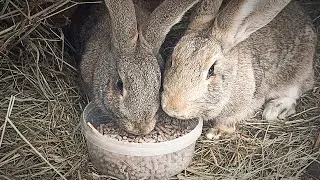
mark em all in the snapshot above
pixel 202 72
pixel 121 65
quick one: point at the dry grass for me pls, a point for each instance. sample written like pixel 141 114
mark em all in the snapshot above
pixel 40 136
pixel 40 106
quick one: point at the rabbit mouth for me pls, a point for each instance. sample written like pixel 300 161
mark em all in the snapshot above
pixel 178 115
pixel 136 127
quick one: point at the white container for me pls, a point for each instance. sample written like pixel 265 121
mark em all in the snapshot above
pixel 126 160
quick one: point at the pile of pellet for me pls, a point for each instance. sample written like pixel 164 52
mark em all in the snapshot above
pixel 140 167
pixel 165 130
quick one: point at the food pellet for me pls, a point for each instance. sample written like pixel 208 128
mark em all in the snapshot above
pixel 164 130
pixel 155 167
pixel 143 167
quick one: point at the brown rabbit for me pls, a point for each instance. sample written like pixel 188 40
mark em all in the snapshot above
pixel 119 63
pixel 234 59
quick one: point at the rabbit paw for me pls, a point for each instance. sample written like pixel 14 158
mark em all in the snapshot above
pixel 279 108
pixel 218 131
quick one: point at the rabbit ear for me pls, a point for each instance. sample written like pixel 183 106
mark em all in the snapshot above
pixel 167 14
pixel 203 15
pixel 240 18
pixel 123 22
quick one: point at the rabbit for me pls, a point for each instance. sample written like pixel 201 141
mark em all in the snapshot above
pixel 120 64
pixel 234 60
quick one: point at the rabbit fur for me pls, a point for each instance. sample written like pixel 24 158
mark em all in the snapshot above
pixel 120 63
pixel 234 59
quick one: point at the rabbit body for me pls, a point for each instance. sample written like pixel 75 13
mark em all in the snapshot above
pixel 229 63
pixel 100 73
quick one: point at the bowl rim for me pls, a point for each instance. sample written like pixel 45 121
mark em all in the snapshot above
pixel 137 149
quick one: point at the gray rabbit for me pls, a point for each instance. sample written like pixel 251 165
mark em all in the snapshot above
pixel 235 58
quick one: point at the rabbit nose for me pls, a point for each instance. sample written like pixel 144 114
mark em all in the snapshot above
pixel 175 104
pixel 137 127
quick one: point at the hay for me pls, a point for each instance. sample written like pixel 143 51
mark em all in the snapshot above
pixel 40 106
pixel 40 138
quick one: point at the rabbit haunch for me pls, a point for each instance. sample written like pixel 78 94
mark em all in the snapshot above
pixel 119 65
pixel 230 62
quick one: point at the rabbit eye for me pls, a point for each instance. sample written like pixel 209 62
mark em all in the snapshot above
pixel 211 71
pixel 119 86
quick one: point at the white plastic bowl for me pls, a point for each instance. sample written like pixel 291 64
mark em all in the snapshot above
pixel 126 160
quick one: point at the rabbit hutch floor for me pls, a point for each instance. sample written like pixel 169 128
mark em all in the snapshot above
pixel 40 107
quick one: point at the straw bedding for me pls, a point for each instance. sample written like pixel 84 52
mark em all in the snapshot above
pixel 41 103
